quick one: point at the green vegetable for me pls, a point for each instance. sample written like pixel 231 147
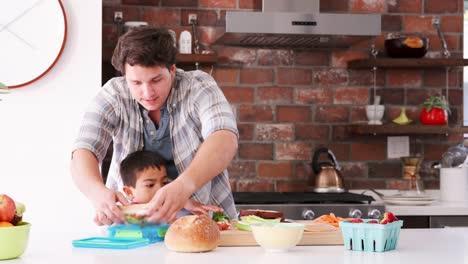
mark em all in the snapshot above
pixel 246 221
pixel 218 217
pixel 4 88
pixel 241 225
pixel 133 219
pixel 162 232
pixel 252 219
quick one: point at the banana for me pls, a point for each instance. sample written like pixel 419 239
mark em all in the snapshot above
pixel 402 119
pixel 20 208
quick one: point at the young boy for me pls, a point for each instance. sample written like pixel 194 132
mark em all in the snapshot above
pixel 144 173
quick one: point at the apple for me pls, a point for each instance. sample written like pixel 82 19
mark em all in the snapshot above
pixel 7 208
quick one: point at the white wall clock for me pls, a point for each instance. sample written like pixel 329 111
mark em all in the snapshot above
pixel 32 37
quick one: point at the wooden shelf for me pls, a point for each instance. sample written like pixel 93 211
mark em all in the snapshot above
pixel 394 129
pixel 407 63
pixel 191 59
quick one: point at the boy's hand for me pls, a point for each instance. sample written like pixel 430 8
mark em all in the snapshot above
pixel 197 208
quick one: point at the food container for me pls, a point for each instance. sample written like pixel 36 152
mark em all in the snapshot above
pixel 185 42
pixel 370 237
pixel 406 47
pixel 14 240
pixel 154 233
pixel 277 237
pixel 454 184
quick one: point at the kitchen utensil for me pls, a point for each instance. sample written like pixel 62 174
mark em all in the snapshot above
pixel 375 113
pixel 436 165
pixel 398 47
pixel 110 242
pixel 409 202
pixel 125 237
pixel 403 199
pixel 381 195
pixel 376 99
pixel 411 167
pixel 328 175
pixel 436 24
pixel 406 196
pixel 454 184
pixel 454 156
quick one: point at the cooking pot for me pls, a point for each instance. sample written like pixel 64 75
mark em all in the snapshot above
pixel 328 177
pixel 398 47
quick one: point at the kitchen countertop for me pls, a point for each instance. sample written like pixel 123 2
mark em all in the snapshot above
pixel 447 245
pixel 438 208
pixel 435 209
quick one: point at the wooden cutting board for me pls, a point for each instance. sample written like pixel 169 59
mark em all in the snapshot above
pixel 239 238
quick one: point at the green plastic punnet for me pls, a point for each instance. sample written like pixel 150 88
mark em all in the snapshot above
pixel 370 237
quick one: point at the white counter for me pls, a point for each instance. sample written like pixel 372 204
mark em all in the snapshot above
pixel 415 246
pixel 435 209
pixel 438 208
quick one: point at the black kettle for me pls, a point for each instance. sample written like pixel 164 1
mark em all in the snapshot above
pixel 328 177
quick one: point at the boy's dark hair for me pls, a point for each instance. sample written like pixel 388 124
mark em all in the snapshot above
pixel 139 161
pixel 145 46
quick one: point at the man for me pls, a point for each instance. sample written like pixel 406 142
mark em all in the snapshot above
pixel 182 116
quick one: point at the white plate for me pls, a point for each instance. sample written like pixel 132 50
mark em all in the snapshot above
pixel 409 198
pixel 408 202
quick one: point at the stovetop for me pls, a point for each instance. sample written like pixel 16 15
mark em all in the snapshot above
pixel 300 198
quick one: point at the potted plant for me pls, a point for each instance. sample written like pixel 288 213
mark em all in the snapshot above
pixel 435 111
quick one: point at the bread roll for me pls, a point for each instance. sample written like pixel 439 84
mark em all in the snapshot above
pixel 267 214
pixel 192 233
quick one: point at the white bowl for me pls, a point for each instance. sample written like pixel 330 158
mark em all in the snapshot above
pixel 374 114
pixel 277 237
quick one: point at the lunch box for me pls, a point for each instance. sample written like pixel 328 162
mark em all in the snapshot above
pixel 125 237
pixel 154 233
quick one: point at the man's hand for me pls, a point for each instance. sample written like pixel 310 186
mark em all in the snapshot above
pixel 169 200
pixel 86 174
pixel 197 208
pixel 107 211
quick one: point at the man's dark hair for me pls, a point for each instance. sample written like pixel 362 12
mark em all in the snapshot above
pixel 145 46
pixel 139 161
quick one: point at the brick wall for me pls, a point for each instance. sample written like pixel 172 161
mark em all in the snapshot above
pixel 289 102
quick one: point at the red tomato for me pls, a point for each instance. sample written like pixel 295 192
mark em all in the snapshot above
pixel 223 225
pixel 437 116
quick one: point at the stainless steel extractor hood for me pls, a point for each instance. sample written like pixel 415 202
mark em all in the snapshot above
pixel 297 23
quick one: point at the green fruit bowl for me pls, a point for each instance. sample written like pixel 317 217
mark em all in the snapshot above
pixel 14 240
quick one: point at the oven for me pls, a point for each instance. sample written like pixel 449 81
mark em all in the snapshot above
pixel 310 205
